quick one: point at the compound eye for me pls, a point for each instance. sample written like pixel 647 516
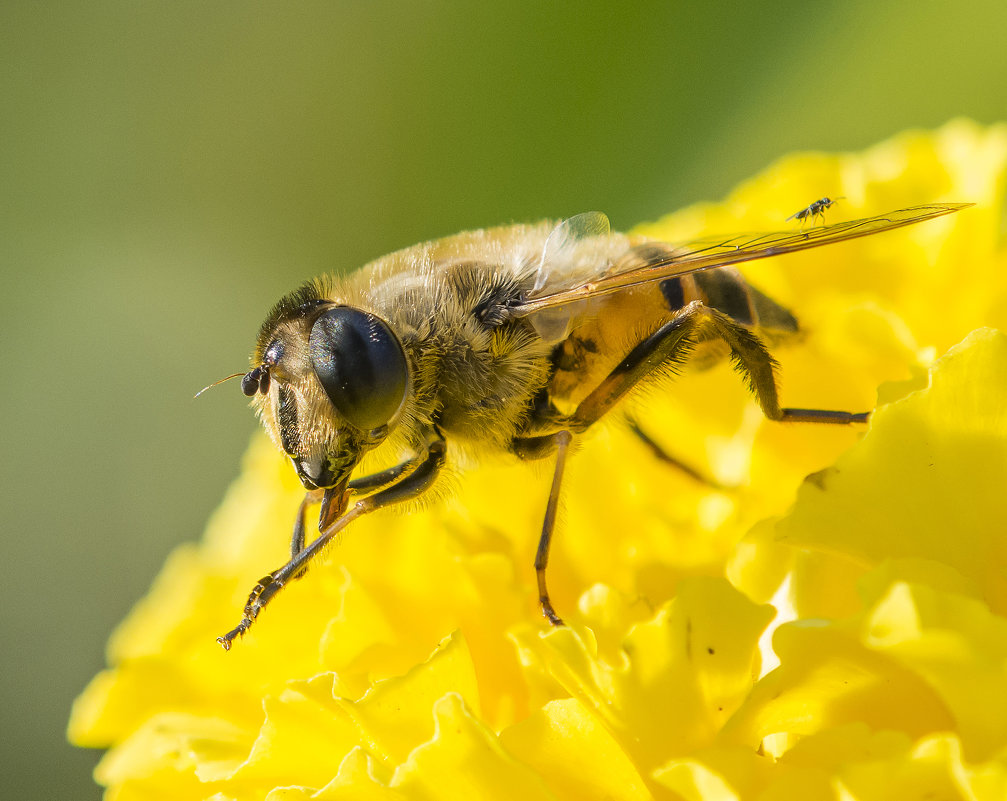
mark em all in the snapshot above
pixel 360 364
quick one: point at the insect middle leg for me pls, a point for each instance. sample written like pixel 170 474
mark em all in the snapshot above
pixel 667 346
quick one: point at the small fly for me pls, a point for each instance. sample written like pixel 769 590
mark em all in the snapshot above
pixel 815 210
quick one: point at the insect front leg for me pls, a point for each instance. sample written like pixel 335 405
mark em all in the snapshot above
pixel 269 585
pixel 297 538
pixel 411 485
pixel 364 484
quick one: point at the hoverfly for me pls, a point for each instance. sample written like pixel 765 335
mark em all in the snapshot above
pixel 815 210
pixel 513 339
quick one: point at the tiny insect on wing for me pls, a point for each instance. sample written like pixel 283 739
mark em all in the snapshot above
pixel 722 251
pixel 816 209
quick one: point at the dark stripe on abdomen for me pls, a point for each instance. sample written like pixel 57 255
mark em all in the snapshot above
pixel 673 293
pixel 726 291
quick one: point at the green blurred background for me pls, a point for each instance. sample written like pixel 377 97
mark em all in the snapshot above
pixel 170 169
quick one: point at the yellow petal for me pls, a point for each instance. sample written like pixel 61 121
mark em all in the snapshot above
pixel 395 715
pixel 166 755
pixel 303 735
pixel 720 773
pixel 932 769
pixel 575 754
pixel 926 482
pixel 463 761
pixel 691 664
pixel 356 782
pixel 694 781
pixel 828 678
pixel 958 647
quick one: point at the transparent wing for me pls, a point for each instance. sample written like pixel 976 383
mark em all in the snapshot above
pixel 563 241
pixel 640 268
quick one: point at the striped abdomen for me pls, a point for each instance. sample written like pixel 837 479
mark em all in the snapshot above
pixel 725 290
pixel 605 335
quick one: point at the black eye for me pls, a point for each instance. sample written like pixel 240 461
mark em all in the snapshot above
pixel 360 364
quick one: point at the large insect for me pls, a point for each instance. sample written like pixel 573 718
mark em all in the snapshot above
pixel 514 339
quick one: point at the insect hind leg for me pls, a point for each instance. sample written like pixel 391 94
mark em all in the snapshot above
pixel 670 344
pixel 759 369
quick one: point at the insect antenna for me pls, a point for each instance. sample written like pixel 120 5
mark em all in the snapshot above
pixel 221 381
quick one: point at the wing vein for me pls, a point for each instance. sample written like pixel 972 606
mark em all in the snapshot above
pixel 720 252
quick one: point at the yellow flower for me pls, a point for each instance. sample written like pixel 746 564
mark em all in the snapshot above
pixel 414 663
